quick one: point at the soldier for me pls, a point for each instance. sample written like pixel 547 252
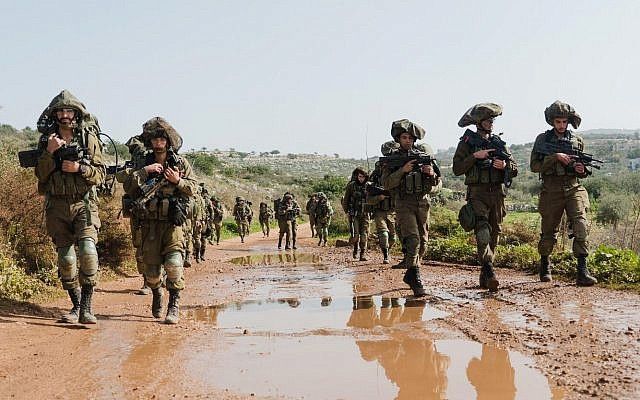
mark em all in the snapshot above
pixel 187 231
pixel 242 214
pixel 160 192
pixel 311 208
pixel 69 186
pixel 138 153
pixel 199 222
pixel 561 190
pixel 380 200
pixel 410 187
pixel 288 211
pixel 322 215
pixel 266 213
pixel 488 168
pixel 354 205
pixel 208 220
pixel 218 215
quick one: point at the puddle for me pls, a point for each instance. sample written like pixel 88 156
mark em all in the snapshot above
pixel 277 259
pixel 520 320
pixel 303 334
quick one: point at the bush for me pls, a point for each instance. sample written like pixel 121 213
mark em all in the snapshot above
pixel 15 283
pixel 115 246
pixel 457 249
pixel 203 162
pixel 523 257
pixel 613 265
pixel 332 186
pixel 339 225
pixel 444 223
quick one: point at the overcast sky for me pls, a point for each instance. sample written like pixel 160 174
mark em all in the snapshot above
pixel 317 76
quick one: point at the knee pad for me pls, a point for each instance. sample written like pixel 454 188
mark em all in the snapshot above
pixel 67 263
pixel 383 239
pixel 173 263
pixel 153 276
pixel 88 255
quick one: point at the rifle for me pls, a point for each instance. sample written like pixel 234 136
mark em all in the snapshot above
pixel 375 190
pixel 397 162
pixel 29 158
pixel 566 146
pixel 113 169
pixel 499 152
pixel 148 190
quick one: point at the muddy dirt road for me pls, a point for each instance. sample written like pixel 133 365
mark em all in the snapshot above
pixel 313 324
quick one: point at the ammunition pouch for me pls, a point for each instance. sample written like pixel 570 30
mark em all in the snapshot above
pixel 127 206
pixel 416 183
pixel 177 212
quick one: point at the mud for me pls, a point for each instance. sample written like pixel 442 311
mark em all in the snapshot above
pixel 314 324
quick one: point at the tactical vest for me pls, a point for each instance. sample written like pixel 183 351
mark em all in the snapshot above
pixel 559 169
pixel 322 212
pixel 358 204
pixel 167 200
pixel 482 171
pixel 71 185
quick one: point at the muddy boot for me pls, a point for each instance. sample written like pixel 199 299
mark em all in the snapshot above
pixel 173 311
pixel 72 316
pixel 584 278
pixel 363 256
pixel 144 290
pixel 86 317
pixel 280 244
pixel 412 278
pixel 488 278
pixel 156 303
pixel 355 251
pixel 401 265
pixel 202 249
pixel 545 269
pixel 187 259
pixel 196 254
pixel 385 256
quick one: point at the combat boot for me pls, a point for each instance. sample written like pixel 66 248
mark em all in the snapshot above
pixel 401 265
pixel 144 290
pixel 86 317
pixel 412 278
pixel 156 303
pixel 363 256
pixel 72 316
pixel 584 278
pixel 545 269
pixel 294 244
pixel 385 256
pixel 287 245
pixel 196 254
pixel 187 259
pixel 280 244
pixel 488 278
pixel 355 251
pixel 202 249
pixel 173 311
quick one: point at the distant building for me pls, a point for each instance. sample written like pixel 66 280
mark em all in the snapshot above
pixel 634 164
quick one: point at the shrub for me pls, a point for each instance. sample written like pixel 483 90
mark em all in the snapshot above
pixel 444 223
pixel 523 257
pixel 456 249
pixel 333 186
pixel 203 162
pixel 613 265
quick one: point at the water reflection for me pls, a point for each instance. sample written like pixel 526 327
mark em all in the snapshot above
pixel 492 374
pixel 277 259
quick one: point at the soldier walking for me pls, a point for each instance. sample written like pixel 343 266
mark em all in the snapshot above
pixel 488 168
pixel 266 214
pixel 242 214
pixel 311 210
pixel 354 205
pixel 218 215
pixel 287 212
pixel 69 186
pixel 322 215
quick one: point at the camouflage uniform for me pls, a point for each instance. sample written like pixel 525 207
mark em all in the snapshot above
pixel 384 216
pixel 288 211
pixel 311 210
pixel 71 204
pixel 187 232
pixel 218 215
pixel 266 213
pixel 410 192
pixel 208 220
pixel 561 192
pixel 199 222
pixel 486 189
pixel 161 218
pixel 322 215
pixel 354 204
pixel 243 214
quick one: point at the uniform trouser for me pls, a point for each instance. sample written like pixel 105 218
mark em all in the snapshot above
pixel 313 223
pixel 217 227
pixel 136 238
pixel 198 228
pixel 412 219
pixel 361 230
pixel 288 229
pixel 66 222
pixel 487 202
pixel 264 225
pixel 243 228
pixel 575 202
pixel 187 229
pixel 385 223
pixel 322 229
pixel 163 246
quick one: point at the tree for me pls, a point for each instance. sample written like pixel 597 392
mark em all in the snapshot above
pixel 275 151
pixel 613 209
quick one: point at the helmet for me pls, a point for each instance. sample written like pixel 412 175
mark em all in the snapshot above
pixel 389 147
pixel 404 125
pixel 159 127
pixel 479 113
pixel 47 120
pixel 562 110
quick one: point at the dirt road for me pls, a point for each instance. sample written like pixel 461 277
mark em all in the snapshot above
pixel 313 324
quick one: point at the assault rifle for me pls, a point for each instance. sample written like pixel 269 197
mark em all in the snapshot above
pixel 499 152
pixel 29 158
pixel 114 169
pixel 397 162
pixel 566 146
pixel 374 190
pixel 147 190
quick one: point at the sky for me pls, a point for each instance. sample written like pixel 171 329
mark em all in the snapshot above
pixel 320 76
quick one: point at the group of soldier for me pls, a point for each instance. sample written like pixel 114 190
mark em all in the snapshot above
pixel 172 216
pixel 397 195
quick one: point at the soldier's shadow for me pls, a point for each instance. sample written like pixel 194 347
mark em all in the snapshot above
pixel 118 291
pixel 13 311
